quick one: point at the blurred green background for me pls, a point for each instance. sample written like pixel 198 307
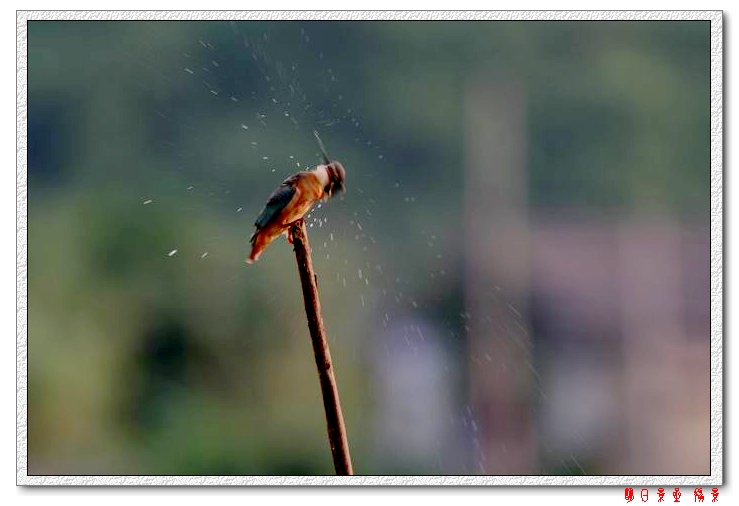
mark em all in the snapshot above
pixel 153 348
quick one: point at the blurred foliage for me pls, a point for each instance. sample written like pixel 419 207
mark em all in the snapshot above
pixel 145 362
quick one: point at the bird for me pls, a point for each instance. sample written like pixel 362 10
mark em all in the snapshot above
pixel 293 199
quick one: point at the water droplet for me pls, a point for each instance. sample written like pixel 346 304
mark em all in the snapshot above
pixel 514 310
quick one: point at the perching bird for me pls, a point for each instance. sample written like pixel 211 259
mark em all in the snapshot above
pixel 293 198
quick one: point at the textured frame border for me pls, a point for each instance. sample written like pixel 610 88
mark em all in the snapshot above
pixel 716 19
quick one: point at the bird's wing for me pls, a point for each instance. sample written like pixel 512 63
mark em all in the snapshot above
pixel 280 198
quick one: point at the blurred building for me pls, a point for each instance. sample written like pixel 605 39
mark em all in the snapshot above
pixel 620 318
pixel 590 352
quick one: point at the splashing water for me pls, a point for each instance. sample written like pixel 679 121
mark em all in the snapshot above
pixel 363 268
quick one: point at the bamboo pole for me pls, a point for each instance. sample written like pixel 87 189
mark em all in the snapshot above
pixel 329 390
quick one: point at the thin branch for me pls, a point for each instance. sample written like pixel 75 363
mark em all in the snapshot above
pixel 334 417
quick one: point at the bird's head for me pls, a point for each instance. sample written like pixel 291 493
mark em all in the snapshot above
pixel 335 173
pixel 336 177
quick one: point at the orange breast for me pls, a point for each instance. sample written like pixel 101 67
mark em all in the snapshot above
pixel 309 191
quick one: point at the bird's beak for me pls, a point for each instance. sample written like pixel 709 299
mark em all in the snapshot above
pixel 326 158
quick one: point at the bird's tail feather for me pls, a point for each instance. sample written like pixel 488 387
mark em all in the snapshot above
pixel 253 256
pixel 259 243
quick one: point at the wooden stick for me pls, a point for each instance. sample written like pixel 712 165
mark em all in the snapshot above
pixel 334 417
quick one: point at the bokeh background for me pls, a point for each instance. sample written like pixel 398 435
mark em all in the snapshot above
pixel 516 282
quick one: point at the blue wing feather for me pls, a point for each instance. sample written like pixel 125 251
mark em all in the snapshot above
pixel 280 198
